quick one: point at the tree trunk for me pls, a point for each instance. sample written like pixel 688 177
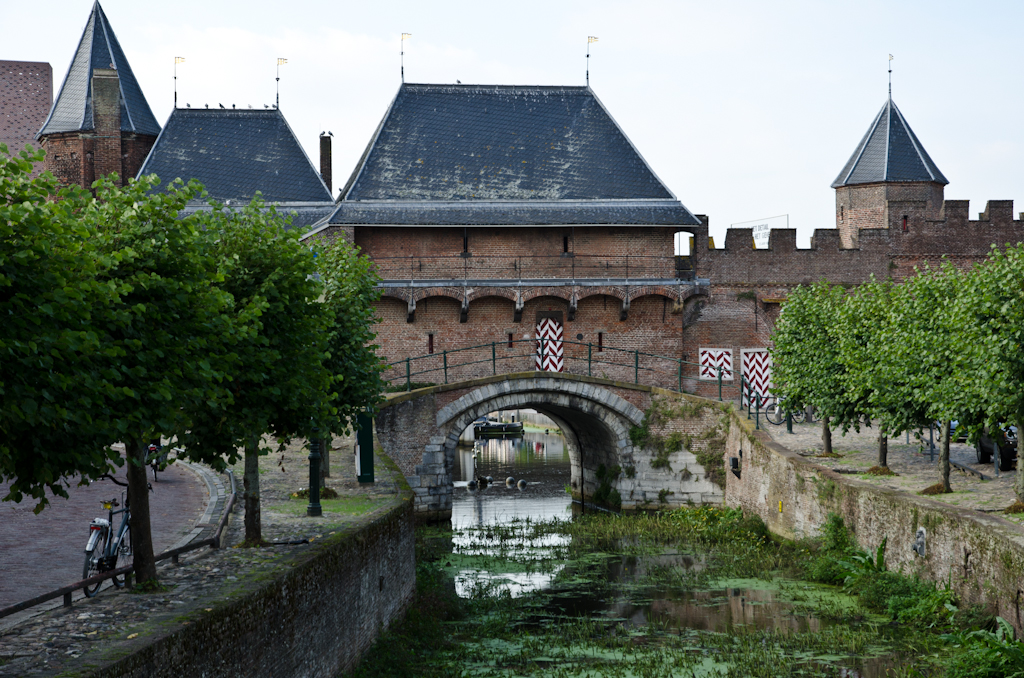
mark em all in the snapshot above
pixel 883 449
pixel 251 494
pixel 141 530
pixel 944 456
pixel 826 437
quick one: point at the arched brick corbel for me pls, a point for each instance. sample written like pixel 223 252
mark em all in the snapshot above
pixel 464 314
pixel 517 314
pixel 410 314
pixel 624 313
pixel 571 315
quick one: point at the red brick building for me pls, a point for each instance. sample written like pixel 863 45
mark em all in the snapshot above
pixel 498 215
pixel 100 121
pixel 26 92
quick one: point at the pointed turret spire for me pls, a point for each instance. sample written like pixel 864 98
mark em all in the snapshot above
pixel 889 152
pixel 72 110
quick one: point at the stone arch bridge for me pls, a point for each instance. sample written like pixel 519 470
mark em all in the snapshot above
pixel 678 461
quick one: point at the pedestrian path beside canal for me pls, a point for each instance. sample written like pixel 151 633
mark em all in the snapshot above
pixel 856 452
pixel 117 621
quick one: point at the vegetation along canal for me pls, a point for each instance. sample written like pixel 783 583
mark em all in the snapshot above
pixel 520 584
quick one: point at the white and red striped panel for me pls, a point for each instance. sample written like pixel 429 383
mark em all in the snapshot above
pixel 713 358
pixel 550 330
pixel 756 365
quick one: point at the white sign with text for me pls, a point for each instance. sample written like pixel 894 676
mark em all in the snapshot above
pixel 763 227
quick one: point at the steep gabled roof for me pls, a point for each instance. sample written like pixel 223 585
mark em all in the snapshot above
pixel 234 153
pixel 98 48
pixel 486 154
pixel 890 151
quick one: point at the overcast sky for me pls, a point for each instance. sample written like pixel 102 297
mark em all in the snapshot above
pixel 744 109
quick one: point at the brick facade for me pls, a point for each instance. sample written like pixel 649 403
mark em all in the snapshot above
pixel 82 157
pixel 26 94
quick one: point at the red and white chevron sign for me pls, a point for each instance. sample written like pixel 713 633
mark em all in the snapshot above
pixel 550 330
pixel 756 366
pixel 713 358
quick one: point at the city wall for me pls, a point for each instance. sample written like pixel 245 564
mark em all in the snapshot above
pixel 316 618
pixel 981 555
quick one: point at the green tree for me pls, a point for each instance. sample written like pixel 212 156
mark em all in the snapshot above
pixel 859 330
pixel 923 354
pixel 990 311
pixel 54 416
pixel 277 373
pixel 807 369
pixel 350 290
pixel 169 326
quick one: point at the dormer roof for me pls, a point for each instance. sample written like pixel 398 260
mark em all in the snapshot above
pixel 72 109
pixel 889 152
pixel 501 154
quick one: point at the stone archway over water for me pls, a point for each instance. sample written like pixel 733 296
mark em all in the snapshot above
pixel 420 431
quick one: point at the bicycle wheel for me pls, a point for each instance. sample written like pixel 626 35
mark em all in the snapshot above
pixel 799 416
pixel 91 568
pixel 774 414
pixel 124 556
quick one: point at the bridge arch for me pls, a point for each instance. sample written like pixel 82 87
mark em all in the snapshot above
pixel 420 431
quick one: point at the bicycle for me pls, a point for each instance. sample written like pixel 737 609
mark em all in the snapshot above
pixel 114 548
pixel 775 413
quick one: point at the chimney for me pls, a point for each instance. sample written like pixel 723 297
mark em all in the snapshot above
pixel 325 161
pixel 106 119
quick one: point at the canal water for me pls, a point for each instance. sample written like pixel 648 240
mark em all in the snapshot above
pixel 503 548
pixel 538 458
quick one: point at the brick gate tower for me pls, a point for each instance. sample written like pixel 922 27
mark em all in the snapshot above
pixel 500 215
pixel 100 121
pixel 889 180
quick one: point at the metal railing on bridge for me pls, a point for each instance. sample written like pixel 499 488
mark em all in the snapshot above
pixel 569 266
pixel 500 357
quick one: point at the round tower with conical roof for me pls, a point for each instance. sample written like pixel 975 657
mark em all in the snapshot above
pixel 889 181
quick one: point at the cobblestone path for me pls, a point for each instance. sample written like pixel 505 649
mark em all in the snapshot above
pixel 39 553
pixel 65 640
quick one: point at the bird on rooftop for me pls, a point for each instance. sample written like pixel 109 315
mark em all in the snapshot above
pixel 221 105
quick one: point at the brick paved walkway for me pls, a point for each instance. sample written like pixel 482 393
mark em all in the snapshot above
pixel 64 641
pixel 39 553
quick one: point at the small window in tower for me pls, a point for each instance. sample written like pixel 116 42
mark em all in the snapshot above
pixel 600 342
pixel 840 214
pixel 430 343
pixel 565 244
pixel 904 223
pixel 511 341
pixel 465 241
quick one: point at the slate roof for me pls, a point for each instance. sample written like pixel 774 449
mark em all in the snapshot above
pixel 72 109
pixel 487 154
pixel 234 153
pixel 890 151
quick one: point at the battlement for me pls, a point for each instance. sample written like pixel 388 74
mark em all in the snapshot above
pixel 911 239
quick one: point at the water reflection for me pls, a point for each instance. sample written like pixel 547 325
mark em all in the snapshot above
pixel 539 459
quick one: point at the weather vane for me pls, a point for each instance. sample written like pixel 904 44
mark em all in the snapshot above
pixel 177 60
pixel 590 39
pixel 405 36
pixel 890 76
pixel 277 101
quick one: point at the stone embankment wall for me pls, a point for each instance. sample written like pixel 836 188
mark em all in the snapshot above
pixel 315 619
pixel 981 555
